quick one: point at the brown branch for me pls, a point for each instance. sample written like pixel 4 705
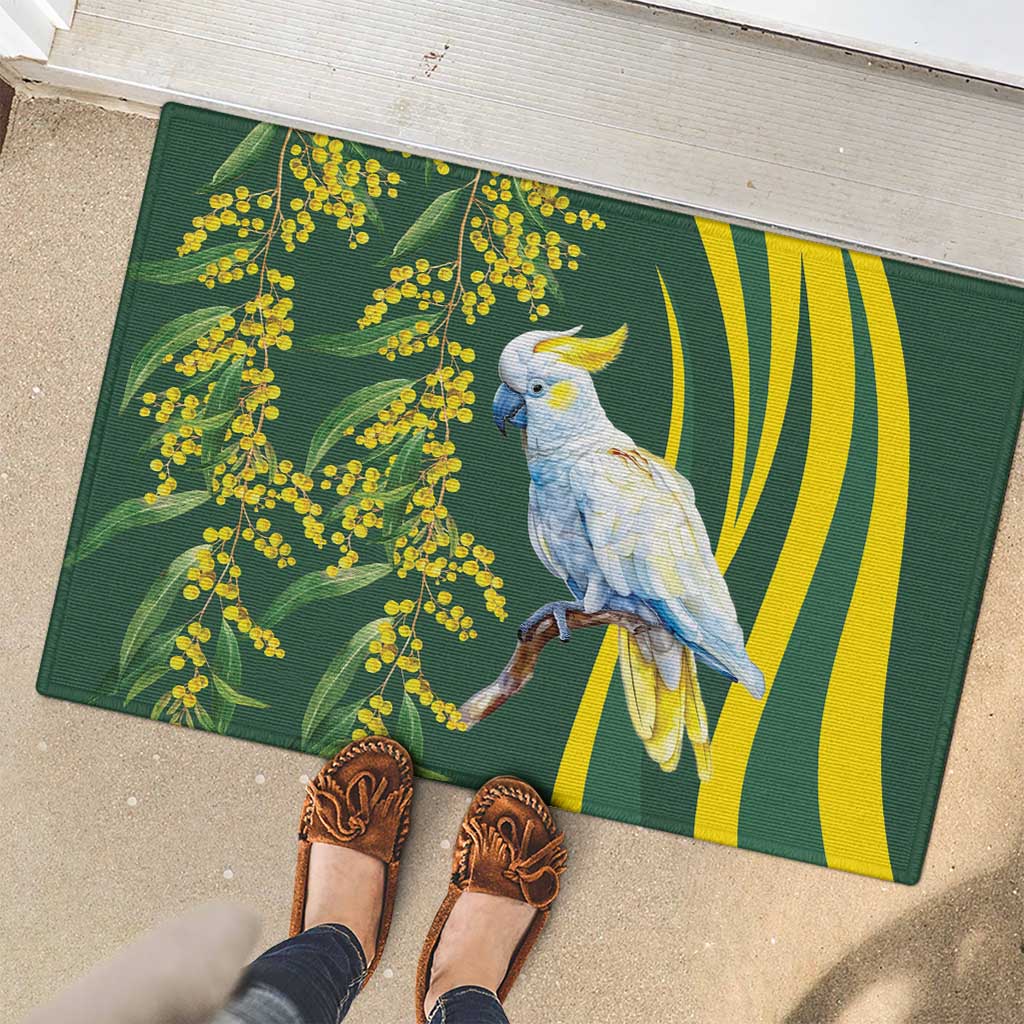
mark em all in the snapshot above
pixel 519 670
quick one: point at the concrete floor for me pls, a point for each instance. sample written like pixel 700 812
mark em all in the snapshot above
pixel 110 823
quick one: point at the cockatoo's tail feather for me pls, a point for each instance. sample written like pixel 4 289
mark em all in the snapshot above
pixel 655 710
pixel 640 682
pixel 660 713
pixel 696 717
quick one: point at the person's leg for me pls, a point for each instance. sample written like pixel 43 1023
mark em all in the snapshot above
pixel 468 1005
pixel 354 822
pixel 477 944
pixel 313 977
pixel 506 869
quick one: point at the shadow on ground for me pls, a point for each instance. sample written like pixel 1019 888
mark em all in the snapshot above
pixel 958 958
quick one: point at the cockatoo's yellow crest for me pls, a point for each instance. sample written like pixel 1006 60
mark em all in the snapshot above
pixel 590 354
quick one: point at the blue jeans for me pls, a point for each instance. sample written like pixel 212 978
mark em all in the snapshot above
pixel 314 977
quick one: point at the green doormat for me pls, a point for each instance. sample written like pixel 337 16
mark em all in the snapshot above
pixel 366 413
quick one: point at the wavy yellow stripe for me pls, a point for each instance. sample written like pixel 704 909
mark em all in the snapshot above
pixel 675 425
pixel 784 283
pixel 832 401
pixel 725 270
pixel 574 767
pixel 850 751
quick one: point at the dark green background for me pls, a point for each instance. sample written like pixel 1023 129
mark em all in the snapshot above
pixel 962 345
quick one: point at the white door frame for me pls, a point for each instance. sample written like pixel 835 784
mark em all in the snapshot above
pixel 27 27
pixel 981 42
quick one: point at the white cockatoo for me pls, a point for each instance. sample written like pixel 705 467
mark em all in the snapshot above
pixel 620 528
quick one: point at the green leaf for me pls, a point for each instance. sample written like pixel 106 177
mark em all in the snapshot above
pixel 398 529
pixel 227 658
pixel 223 402
pixel 109 683
pixel 231 455
pixel 157 602
pixel 175 423
pixel 391 496
pixel 336 512
pixel 145 680
pixel 429 223
pixel 316 586
pixel 406 467
pixel 337 678
pixel 552 286
pixel 170 339
pixel 136 512
pixel 224 397
pixel 531 211
pixel 410 728
pixel 405 470
pixel 365 342
pixel 160 706
pixel 339 729
pixel 360 192
pixel 246 153
pixel 227 663
pixel 232 696
pixel 181 269
pixel 153 658
pixel 271 460
pixel 199 385
pixel 203 716
pixel 359 406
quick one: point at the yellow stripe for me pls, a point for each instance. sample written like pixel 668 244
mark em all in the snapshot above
pixel 725 270
pixel 575 764
pixel 850 752
pixel 784 282
pixel 832 400
pixel 675 426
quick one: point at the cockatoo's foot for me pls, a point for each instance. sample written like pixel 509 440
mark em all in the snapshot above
pixel 556 610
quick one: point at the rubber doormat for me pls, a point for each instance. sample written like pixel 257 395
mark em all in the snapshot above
pixel 685 523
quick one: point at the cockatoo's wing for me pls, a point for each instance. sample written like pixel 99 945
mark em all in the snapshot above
pixel 540 545
pixel 650 542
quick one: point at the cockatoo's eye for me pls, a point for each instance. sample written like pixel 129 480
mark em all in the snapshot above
pixel 537 387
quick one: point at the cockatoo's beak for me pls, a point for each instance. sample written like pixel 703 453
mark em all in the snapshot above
pixel 509 407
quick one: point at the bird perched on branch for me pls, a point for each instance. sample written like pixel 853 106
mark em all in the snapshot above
pixel 620 528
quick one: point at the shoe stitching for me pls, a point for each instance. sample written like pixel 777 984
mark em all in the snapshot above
pixel 468 839
pixel 371 745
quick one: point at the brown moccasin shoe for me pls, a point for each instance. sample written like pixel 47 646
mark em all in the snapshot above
pixel 508 845
pixel 360 799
